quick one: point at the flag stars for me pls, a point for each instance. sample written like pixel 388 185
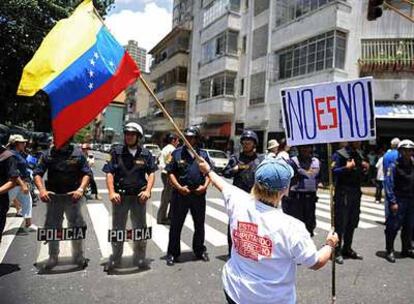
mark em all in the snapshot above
pixel 92 62
pixel 111 63
pixel 95 54
pixel 91 73
pixel 90 86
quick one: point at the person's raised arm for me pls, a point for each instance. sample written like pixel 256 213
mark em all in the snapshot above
pixel 217 181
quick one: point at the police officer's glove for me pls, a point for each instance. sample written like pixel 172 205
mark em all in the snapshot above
pixel 143 196
pixel 115 198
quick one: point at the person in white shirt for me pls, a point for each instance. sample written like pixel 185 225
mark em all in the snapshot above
pixel 272 147
pixel 380 179
pixel 165 158
pixel 283 150
pixel 267 244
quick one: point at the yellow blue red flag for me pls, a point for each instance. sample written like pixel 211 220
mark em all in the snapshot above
pixel 81 67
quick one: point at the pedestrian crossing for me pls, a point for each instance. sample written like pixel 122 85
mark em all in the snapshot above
pixel 99 213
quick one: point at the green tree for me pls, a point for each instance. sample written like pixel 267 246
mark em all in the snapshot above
pixel 23 25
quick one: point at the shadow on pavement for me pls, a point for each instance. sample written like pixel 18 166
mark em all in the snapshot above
pixel 6 269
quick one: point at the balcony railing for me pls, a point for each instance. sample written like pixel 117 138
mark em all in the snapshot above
pixel 382 55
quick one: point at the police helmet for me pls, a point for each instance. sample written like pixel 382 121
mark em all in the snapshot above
pixel 170 137
pixel 249 134
pixel 406 144
pixel 134 127
pixel 192 131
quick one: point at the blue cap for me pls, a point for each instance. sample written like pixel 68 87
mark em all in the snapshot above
pixel 274 174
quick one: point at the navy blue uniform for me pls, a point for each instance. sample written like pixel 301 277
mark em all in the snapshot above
pixel 399 189
pixel 185 168
pixel 8 170
pixel 65 169
pixel 347 195
pixel 130 179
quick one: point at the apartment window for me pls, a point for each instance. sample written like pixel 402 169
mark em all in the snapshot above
pixel 218 85
pixel 260 6
pixel 218 8
pixel 257 88
pixel 246 5
pixel 241 88
pixel 260 42
pixel 173 77
pixel 244 44
pixel 288 10
pixel 316 54
pixel 176 108
pixel 223 44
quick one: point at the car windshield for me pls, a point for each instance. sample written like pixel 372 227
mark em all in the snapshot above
pixel 217 154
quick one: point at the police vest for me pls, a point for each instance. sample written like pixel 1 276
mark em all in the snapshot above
pixel 188 173
pixel 64 170
pixel 349 178
pixel 306 184
pixel 404 179
pixel 131 180
pixel 244 179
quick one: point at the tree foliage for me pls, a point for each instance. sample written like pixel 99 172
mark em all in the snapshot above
pixel 23 25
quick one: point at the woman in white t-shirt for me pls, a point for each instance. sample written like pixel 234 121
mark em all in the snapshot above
pixel 267 244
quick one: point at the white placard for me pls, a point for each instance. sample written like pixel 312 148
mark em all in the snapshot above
pixel 329 112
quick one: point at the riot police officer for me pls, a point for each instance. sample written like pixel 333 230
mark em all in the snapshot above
pixel 189 193
pixel 348 168
pixel 68 176
pixel 399 191
pixel 8 175
pixel 241 167
pixel 130 176
pixel 301 202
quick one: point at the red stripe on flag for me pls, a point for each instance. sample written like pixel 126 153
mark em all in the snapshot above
pixel 74 117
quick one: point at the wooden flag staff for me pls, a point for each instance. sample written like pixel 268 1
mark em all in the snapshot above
pixel 164 110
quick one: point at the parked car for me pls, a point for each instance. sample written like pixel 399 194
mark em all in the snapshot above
pixel 219 160
pixel 155 151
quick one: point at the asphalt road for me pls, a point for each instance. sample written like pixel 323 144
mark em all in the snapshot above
pixel 372 280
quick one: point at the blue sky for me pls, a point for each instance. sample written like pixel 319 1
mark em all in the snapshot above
pixel 146 21
pixel 139 5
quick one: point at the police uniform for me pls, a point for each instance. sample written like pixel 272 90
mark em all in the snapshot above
pixel 65 169
pixel 185 168
pixel 301 202
pixel 129 173
pixel 8 170
pixel 347 199
pixel 399 189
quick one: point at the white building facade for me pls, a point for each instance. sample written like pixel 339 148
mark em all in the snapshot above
pixel 244 51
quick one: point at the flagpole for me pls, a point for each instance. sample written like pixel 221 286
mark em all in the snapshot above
pixel 164 110
pixel 332 207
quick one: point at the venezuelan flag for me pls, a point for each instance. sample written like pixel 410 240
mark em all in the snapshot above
pixel 81 67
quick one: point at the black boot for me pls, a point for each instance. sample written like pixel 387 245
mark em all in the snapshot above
pixel 390 256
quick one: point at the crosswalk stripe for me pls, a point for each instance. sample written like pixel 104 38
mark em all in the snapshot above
pixel 364 202
pixel 323 225
pixel 160 235
pixel 327 215
pixel 7 239
pixel 100 220
pixel 365 209
pixel 213 236
pixel 362 215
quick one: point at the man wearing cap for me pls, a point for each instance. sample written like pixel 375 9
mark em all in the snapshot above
pixel 267 243
pixel 189 193
pixel 301 202
pixel 389 158
pixel 165 158
pixel 130 176
pixel 8 176
pixel 17 145
pixel 399 191
pixel 241 167
pixel 68 176
pixel 348 168
pixel 272 147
